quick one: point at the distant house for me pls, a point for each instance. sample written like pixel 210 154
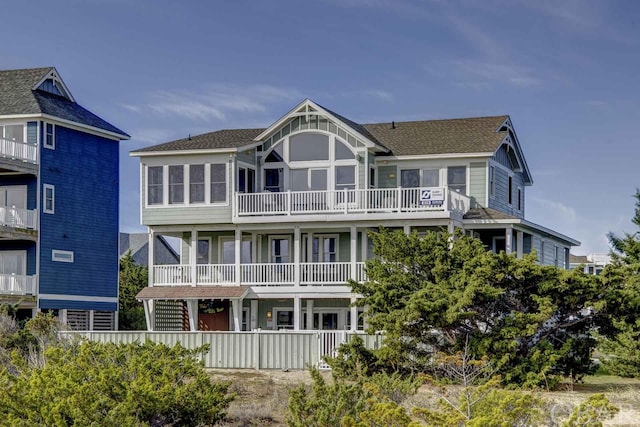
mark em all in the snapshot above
pixel 590 264
pixel 58 202
pixel 138 244
pixel 273 222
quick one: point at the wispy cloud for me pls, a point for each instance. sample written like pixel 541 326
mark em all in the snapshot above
pixel 214 102
pixel 478 74
pixel 557 209
pixel 379 94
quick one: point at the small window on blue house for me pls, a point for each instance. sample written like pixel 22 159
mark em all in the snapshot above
pixel 49 136
pixel 61 256
pixel 49 199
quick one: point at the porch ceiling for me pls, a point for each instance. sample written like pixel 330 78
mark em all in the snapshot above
pixel 191 292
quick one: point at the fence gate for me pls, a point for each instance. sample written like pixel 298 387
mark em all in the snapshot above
pixel 328 344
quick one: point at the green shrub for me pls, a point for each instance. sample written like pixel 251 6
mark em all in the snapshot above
pixel 107 384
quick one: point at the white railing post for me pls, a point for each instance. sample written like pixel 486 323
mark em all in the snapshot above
pixel 399 199
pixel 289 202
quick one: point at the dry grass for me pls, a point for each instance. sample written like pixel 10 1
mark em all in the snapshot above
pixel 262 397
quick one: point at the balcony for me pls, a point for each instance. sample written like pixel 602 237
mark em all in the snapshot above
pixel 350 202
pixel 19 151
pixel 13 284
pixel 18 218
pixel 259 274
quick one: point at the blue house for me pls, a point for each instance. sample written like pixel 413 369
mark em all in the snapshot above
pixel 58 202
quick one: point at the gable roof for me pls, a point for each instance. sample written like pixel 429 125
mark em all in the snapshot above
pixel 412 138
pixel 19 97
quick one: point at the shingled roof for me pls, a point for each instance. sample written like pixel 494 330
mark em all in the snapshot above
pixel 453 136
pixel 17 96
pixel 221 139
pixel 471 135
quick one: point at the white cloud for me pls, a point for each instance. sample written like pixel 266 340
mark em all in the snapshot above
pixel 214 102
pixel 556 209
pixel 495 71
pixel 380 94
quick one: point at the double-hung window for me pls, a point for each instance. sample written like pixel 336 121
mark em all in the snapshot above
pixel 49 136
pixel 196 184
pixel 176 184
pixel 457 179
pixel 218 182
pixel 280 250
pixel 155 185
pixel 49 198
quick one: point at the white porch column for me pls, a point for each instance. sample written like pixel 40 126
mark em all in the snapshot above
pixel 149 313
pixel 365 245
pixel 508 240
pixel 309 247
pixel 192 309
pixel 309 314
pixel 297 313
pixel 520 244
pixel 254 314
pixel 296 255
pixel 407 229
pixel 150 255
pixel 354 314
pixel 238 255
pixel 236 306
pixel 193 257
pixel 354 252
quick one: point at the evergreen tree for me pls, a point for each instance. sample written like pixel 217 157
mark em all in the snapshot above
pixel 133 278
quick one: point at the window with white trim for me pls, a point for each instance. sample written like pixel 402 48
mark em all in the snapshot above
pixel 457 179
pixel 218 182
pixel 176 184
pixel 196 184
pixel 49 199
pixel 155 186
pixel 49 136
pixel 61 256
pixel 280 249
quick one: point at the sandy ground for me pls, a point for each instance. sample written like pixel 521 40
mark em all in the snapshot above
pixel 262 396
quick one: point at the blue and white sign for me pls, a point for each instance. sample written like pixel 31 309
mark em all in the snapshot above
pixel 432 196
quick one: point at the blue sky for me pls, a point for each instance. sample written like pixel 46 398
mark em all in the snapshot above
pixel 567 72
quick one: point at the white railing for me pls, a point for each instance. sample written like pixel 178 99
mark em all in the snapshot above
pixel 268 274
pixel 172 274
pixel 12 284
pixel 350 201
pixel 215 273
pixel 18 150
pixel 19 218
pixel 272 274
pixel 327 273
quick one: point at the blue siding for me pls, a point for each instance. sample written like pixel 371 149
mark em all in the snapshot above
pixel 28 180
pixel 77 305
pixel 22 245
pixel 84 170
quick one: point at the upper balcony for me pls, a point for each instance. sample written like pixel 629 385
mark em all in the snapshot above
pixel 18 156
pixel 347 204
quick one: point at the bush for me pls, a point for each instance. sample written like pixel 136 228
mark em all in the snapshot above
pixel 107 384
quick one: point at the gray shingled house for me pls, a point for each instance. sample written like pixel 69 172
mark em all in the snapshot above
pixel 274 221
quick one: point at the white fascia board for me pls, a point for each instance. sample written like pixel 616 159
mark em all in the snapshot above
pixel 61 297
pixel 433 156
pixel 487 223
pixel 68 123
pixel 85 128
pixel 182 152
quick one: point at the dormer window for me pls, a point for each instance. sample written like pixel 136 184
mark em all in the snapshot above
pixel 54 85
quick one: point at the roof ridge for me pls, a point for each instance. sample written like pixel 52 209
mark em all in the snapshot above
pixel 438 120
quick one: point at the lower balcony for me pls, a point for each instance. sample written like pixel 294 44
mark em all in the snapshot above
pixel 13 284
pixel 18 218
pixel 281 274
